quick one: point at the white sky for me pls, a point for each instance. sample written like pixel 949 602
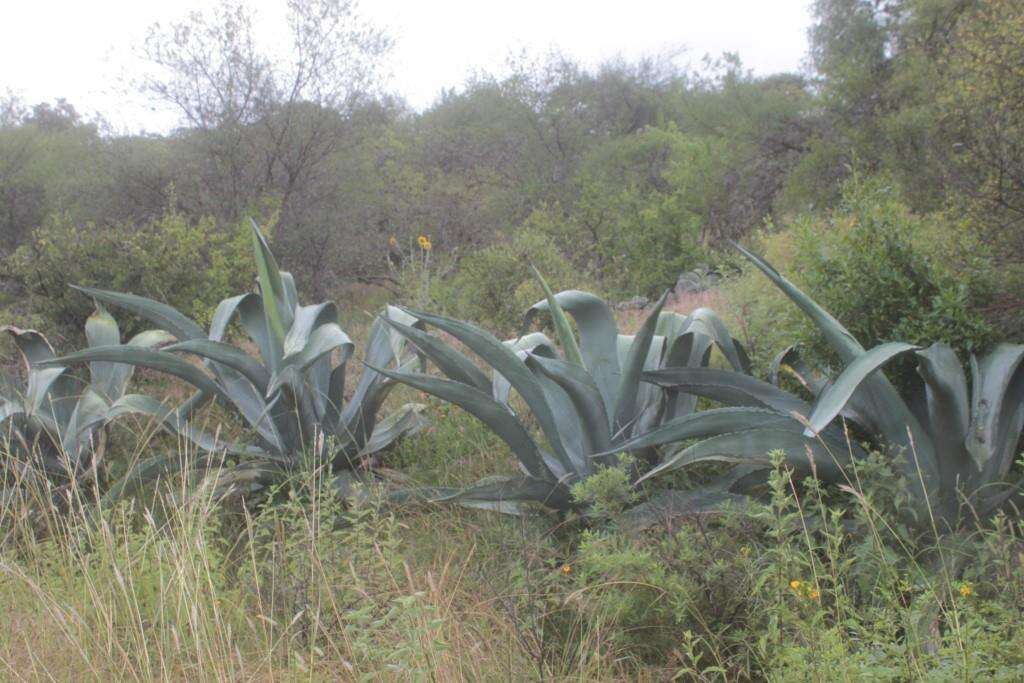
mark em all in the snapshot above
pixel 86 51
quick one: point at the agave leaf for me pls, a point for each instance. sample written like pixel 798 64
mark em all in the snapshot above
pixel 649 399
pixel 997 410
pixel 949 413
pixel 308 319
pixel 49 396
pixel 709 323
pixel 273 297
pixel 254 322
pixel 579 385
pixel 572 430
pixel 876 399
pixel 502 493
pixel 598 339
pixel 151 339
pixel 706 423
pixel 789 360
pixel 223 315
pixel 406 421
pixel 226 355
pixel 627 409
pixel 90 412
pixel 147 358
pixel 398 341
pixel 42 392
pixel 291 293
pixel 33 346
pixel 835 396
pixel 174 422
pixel 321 342
pixel 101 330
pixel 512 368
pixel 452 363
pixel 485 409
pixel 731 388
pixel 570 348
pixel 356 419
pixel 835 334
pixel 534 343
pixel 752 446
pixel 161 315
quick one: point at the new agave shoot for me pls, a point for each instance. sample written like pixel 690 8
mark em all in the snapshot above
pixel 291 396
pixel 584 395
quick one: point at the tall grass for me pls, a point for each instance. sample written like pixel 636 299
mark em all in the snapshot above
pixel 178 586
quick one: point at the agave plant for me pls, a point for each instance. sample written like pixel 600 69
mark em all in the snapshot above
pixel 53 425
pixel 956 442
pixel 587 398
pixel 292 396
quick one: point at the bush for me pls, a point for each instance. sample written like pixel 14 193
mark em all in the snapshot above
pixel 884 272
pixel 890 275
pixel 494 286
pixel 644 203
pixel 190 265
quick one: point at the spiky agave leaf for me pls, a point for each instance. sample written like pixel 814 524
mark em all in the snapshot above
pixel 875 399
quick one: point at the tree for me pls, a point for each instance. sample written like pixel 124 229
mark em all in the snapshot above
pixel 258 124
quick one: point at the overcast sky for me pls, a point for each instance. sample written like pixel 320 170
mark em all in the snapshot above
pixel 87 52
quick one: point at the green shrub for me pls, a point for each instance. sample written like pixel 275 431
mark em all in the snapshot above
pixel 884 272
pixel 643 204
pixel 888 274
pixel 493 286
pixel 188 264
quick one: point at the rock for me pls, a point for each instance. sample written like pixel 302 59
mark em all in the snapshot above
pixel 637 302
pixel 700 279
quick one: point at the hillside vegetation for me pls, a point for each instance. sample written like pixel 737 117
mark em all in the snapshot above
pixel 626 373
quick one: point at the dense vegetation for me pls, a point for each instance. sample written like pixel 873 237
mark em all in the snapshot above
pixel 737 493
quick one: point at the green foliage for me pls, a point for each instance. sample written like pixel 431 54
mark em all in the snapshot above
pixel 888 275
pixel 191 264
pixel 642 203
pixel 607 492
pixel 493 286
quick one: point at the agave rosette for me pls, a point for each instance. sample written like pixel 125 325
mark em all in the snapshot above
pixel 584 395
pixel 54 423
pixel 291 396
pixel 955 441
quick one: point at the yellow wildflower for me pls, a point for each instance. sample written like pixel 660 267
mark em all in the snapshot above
pixel 392 242
pixel 966 590
pixel 814 595
pixel 794 584
pixel 425 244
pixel 566 569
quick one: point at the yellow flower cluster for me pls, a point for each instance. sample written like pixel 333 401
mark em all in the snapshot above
pixel 806 589
pixel 966 589
pixel 425 244
pixel 566 569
